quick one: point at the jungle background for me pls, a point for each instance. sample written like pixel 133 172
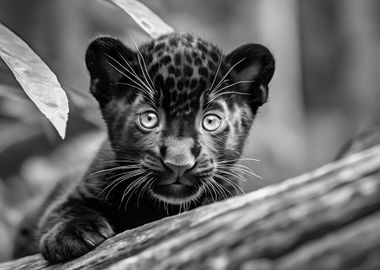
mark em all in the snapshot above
pixel 324 92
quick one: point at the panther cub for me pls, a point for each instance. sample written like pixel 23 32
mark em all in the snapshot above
pixel 178 112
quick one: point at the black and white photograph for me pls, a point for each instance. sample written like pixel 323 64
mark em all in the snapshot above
pixel 189 135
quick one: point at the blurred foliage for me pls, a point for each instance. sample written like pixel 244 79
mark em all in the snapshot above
pixel 325 88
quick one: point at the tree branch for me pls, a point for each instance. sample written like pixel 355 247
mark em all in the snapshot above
pixel 326 219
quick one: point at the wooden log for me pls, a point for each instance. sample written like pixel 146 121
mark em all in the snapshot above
pixel 325 219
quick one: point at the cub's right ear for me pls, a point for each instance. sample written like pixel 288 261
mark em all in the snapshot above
pixel 106 60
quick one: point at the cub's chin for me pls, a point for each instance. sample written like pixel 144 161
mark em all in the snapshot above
pixel 176 193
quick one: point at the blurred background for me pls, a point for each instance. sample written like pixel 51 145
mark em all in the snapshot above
pixel 325 89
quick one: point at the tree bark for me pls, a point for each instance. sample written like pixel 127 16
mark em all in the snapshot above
pixel 325 219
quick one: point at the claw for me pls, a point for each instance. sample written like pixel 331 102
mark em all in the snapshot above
pixel 104 235
pixel 90 242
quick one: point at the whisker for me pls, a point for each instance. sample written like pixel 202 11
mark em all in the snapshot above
pixel 228 93
pixel 238 159
pixel 144 188
pixel 217 72
pixel 218 93
pixel 209 190
pixel 146 89
pixel 224 188
pixel 123 176
pixel 234 175
pixel 224 77
pixel 212 188
pixel 133 161
pixel 237 188
pixel 133 72
pixel 218 188
pixel 166 208
pixel 119 180
pixel 131 85
pixel 142 70
pixel 226 165
pixel 140 84
pixel 132 188
pixel 241 168
pixel 109 170
pixel 143 60
pixel 129 189
pixel 231 85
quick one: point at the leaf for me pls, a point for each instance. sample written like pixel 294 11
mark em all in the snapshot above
pixel 37 80
pixel 153 25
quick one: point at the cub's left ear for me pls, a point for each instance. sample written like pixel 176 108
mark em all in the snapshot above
pixel 254 63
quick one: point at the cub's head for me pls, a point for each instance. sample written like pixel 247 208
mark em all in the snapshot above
pixel 178 111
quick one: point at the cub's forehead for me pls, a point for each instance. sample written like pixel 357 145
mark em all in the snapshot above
pixel 181 67
pixel 180 51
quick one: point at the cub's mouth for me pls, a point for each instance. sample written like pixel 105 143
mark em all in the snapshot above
pixel 177 190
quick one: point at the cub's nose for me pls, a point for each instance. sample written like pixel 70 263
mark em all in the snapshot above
pixel 178 155
pixel 179 170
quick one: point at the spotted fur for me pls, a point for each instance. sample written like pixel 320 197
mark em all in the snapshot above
pixel 186 87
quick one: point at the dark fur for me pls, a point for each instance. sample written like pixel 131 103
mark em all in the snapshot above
pixel 182 69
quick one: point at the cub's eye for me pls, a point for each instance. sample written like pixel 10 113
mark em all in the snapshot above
pixel 211 122
pixel 148 120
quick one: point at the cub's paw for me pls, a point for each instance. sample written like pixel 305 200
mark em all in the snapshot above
pixel 72 238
